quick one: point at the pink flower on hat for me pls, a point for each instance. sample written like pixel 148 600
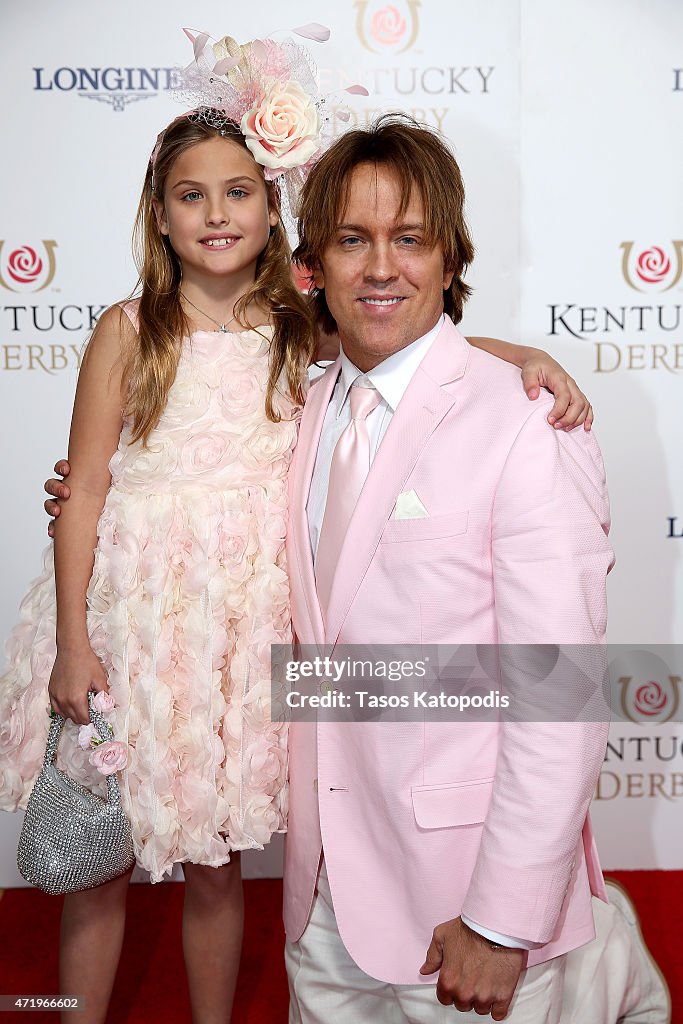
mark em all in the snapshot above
pixel 282 129
pixel 109 757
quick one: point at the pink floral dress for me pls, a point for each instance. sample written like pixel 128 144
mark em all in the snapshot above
pixel 188 592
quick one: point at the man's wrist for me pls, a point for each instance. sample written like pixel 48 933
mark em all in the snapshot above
pixel 482 938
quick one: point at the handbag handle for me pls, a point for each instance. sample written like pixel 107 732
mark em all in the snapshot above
pixel 105 733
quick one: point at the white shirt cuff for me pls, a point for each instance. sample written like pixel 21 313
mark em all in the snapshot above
pixel 502 940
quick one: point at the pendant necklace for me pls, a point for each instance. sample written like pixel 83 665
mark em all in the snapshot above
pixel 223 328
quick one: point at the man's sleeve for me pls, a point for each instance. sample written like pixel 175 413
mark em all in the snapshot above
pixel 550 557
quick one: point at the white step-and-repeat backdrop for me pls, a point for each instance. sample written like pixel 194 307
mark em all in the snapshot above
pixel 567 121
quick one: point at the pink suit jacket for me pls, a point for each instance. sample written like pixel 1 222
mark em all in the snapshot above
pixel 421 822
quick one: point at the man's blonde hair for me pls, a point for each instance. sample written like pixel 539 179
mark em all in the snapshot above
pixel 421 160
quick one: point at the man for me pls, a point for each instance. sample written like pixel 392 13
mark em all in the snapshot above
pixel 485 846
pixel 413 850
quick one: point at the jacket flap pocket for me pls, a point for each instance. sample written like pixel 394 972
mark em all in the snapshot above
pixel 452 803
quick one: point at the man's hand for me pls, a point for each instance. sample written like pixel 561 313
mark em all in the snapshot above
pixel 571 406
pixel 472 974
pixel 58 489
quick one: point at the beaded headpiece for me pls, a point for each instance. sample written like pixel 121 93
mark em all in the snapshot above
pixel 269 89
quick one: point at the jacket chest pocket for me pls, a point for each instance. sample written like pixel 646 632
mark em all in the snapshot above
pixel 429 528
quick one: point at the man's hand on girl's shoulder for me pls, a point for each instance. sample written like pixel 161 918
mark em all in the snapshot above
pixel 57 489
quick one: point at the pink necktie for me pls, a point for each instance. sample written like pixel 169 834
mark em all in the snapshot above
pixel 348 470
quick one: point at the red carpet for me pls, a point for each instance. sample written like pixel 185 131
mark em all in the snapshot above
pixel 151 985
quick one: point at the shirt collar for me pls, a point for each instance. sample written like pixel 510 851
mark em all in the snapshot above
pixel 392 376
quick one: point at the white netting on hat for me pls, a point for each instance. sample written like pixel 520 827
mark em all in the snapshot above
pixel 230 77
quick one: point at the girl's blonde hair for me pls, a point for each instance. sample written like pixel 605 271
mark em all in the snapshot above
pixel 153 363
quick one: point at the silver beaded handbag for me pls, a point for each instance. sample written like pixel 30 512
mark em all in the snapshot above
pixel 73 839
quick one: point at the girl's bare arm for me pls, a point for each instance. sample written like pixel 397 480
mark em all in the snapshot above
pixel 95 429
pixel 539 370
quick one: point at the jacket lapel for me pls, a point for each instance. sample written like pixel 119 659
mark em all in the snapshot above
pixel 302 472
pixel 426 401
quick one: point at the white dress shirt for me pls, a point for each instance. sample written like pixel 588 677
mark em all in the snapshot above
pixel 391 379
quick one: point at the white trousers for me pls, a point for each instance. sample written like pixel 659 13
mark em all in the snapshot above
pixel 611 980
pixel 327 987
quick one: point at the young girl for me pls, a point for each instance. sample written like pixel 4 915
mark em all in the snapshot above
pixel 183 428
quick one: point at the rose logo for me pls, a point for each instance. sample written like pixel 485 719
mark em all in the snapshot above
pixel 647 691
pixel 393 25
pixel 649 699
pixel 387 26
pixel 24 265
pixel 653 265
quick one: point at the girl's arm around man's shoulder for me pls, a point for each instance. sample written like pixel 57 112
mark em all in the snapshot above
pixel 540 370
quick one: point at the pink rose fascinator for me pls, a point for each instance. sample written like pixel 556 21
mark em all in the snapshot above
pixel 269 89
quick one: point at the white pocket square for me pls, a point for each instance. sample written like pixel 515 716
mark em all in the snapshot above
pixel 409 506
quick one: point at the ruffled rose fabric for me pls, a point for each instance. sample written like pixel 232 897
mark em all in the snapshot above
pixel 188 592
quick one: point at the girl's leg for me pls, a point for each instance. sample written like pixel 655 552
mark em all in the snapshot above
pixel 212 938
pixel 90 945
